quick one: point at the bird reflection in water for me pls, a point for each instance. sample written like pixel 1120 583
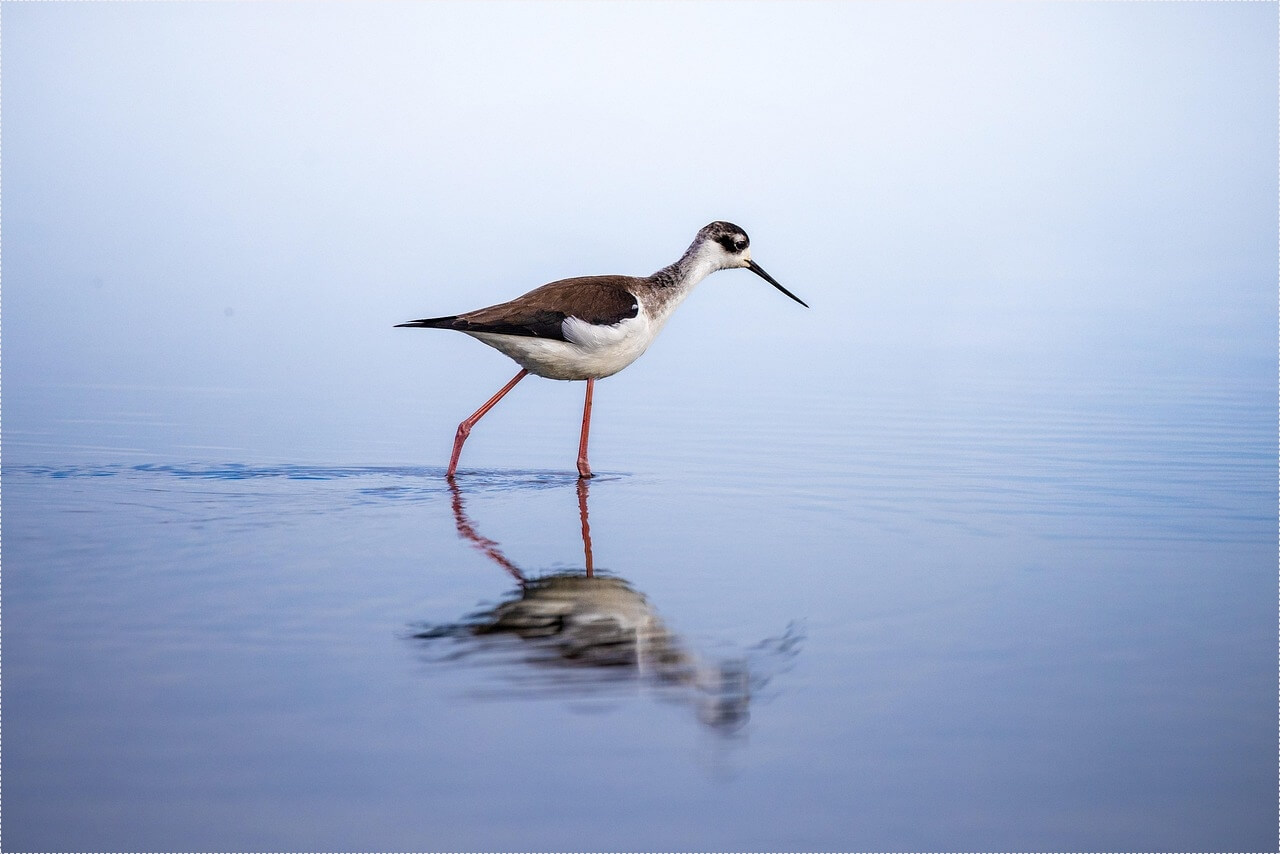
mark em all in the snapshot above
pixel 589 629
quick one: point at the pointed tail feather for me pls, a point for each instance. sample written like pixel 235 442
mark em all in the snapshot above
pixel 431 322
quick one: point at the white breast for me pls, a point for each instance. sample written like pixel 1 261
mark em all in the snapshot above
pixel 590 351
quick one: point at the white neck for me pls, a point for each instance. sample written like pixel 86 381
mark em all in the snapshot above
pixel 699 261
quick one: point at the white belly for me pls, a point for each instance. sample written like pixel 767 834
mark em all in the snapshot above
pixel 588 351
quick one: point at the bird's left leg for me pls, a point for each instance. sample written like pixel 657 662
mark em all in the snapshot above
pixel 464 429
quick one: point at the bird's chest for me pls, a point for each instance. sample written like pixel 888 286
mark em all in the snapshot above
pixel 608 349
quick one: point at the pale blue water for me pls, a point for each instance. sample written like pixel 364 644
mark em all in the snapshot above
pixel 1025 615
pixel 978 553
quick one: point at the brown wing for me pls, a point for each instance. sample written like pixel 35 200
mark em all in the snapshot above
pixel 602 300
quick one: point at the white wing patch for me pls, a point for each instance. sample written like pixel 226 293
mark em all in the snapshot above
pixel 589 350
pixel 594 335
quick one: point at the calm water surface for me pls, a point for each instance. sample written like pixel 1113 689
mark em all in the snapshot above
pixel 1007 615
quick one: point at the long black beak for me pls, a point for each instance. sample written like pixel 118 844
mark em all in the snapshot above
pixel 759 271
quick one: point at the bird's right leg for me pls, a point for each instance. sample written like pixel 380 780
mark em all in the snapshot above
pixel 464 429
pixel 584 470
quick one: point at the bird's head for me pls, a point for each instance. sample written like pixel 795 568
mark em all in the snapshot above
pixel 726 246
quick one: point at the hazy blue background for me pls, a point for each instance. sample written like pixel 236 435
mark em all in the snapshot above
pixel 245 197
pixel 1007 491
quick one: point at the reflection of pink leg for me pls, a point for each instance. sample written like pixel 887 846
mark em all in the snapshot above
pixel 464 429
pixel 586 528
pixel 486 545
pixel 583 469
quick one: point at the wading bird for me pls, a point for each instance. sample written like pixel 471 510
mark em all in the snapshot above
pixel 592 327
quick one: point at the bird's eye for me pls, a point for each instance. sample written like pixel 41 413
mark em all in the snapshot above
pixel 739 243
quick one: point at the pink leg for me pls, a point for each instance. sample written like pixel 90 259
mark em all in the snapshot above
pixel 583 469
pixel 464 429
